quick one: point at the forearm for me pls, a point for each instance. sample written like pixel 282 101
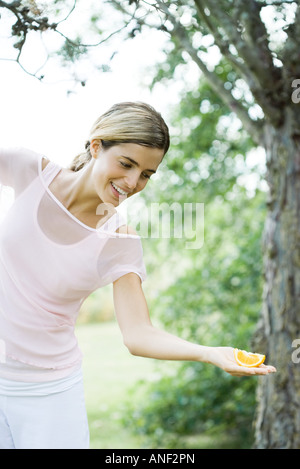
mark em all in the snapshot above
pixel 148 341
pixel 145 340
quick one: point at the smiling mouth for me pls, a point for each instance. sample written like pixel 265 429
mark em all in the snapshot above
pixel 120 191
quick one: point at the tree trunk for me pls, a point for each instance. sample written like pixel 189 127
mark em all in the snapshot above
pixel 277 423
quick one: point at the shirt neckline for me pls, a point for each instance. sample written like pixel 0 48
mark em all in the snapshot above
pixel 58 202
pixel 102 228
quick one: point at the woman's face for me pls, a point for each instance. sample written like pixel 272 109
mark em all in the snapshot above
pixel 122 170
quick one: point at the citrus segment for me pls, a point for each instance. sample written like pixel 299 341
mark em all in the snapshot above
pixel 248 359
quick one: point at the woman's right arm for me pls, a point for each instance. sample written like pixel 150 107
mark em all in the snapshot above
pixel 18 167
pixel 6 176
pixel 145 340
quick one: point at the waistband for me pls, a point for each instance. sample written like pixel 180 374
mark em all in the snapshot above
pixel 24 389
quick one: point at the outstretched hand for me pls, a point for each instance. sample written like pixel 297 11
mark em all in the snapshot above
pixel 223 357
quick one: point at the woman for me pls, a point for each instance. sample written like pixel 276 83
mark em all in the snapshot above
pixel 61 240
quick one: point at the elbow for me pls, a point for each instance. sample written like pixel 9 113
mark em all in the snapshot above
pixel 131 346
pixel 137 340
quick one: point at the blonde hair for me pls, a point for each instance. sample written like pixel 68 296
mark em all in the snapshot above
pixel 128 122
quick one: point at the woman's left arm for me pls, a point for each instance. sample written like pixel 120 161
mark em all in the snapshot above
pixel 143 339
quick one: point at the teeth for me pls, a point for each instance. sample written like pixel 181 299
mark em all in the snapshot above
pixel 118 189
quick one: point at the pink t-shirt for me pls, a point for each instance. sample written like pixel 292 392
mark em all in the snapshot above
pixel 50 262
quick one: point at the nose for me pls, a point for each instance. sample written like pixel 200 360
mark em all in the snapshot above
pixel 131 180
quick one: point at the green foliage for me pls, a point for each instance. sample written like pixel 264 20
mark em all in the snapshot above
pixel 214 302
pixel 71 51
pixel 195 401
pixel 213 295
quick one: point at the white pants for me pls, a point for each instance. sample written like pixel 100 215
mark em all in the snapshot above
pixel 54 421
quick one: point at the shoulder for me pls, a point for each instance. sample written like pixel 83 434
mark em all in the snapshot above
pixel 19 167
pixel 125 229
pixel 21 153
pixel 26 159
pixel 45 161
pixel 22 159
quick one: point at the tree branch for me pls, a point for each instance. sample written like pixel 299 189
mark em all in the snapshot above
pixel 68 15
pixel 28 20
pixel 254 128
pixel 290 52
pixel 224 46
pixel 262 4
pixel 244 29
pixel 256 34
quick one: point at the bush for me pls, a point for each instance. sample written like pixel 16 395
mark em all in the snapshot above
pixel 214 302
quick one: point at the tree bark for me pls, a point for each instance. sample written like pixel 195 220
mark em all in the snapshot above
pixel 277 423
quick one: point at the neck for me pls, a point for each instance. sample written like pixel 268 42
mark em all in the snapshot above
pixel 78 192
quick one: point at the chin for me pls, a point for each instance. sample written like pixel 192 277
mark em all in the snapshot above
pixel 111 201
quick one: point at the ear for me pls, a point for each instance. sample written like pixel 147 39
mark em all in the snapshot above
pixel 95 147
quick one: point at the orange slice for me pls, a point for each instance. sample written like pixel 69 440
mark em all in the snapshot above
pixel 248 359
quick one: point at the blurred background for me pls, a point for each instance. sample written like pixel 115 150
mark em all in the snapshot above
pixel 211 295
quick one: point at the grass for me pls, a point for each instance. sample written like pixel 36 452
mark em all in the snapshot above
pixel 109 371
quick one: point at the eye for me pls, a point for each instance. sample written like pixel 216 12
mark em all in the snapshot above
pixel 128 166
pixel 125 165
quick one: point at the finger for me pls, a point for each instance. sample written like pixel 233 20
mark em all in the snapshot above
pixel 271 368
pixel 261 369
pixel 244 371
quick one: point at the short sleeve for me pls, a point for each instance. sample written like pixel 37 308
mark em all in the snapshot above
pixel 18 167
pixel 121 255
